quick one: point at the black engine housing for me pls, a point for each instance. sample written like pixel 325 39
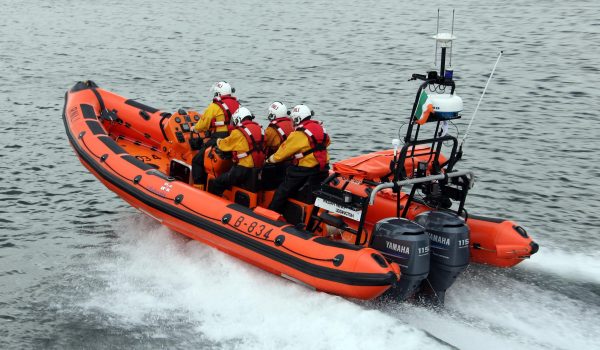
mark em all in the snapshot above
pixel 449 239
pixel 405 243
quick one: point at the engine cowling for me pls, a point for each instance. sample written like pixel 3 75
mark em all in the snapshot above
pixel 407 244
pixel 449 240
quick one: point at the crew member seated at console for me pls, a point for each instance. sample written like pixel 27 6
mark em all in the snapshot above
pixel 307 147
pixel 215 120
pixel 279 128
pixel 246 142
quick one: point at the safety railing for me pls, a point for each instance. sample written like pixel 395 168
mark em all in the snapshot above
pixel 417 180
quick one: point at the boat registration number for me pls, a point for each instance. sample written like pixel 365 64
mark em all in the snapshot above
pixel 252 227
pixel 338 209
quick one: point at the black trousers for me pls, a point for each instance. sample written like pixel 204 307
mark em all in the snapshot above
pixel 296 177
pixel 236 175
pixel 198 173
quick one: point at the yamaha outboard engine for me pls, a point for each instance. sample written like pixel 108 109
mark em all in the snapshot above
pixel 449 237
pixel 407 244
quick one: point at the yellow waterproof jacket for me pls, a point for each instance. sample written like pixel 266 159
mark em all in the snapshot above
pixel 213 111
pixel 272 138
pixel 296 143
pixel 236 142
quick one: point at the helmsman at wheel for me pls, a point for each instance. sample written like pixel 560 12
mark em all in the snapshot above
pixel 215 120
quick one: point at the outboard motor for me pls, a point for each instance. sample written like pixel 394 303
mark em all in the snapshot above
pixel 449 237
pixel 407 244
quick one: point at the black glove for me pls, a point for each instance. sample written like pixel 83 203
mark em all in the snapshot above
pixel 196 143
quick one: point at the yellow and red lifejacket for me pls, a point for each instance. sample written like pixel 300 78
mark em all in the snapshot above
pixel 284 127
pixel 318 139
pixel 229 105
pixel 255 137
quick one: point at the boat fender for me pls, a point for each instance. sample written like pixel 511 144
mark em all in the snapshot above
pixel 279 240
pixel 226 218
pixel 81 134
pixel 178 199
pixel 103 158
pixel 137 179
pixel 338 260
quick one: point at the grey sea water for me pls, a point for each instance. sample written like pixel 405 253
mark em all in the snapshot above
pixel 80 269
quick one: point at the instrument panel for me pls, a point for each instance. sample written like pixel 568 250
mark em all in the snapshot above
pixel 177 133
pixel 180 124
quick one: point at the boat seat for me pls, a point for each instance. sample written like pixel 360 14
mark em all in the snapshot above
pixel 237 194
pixel 244 197
pixel 296 212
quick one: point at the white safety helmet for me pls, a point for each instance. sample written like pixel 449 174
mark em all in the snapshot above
pixel 241 114
pixel 222 88
pixel 300 113
pixel 277 110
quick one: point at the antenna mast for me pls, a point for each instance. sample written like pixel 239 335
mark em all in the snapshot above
pixel 452 34
pixel 437 30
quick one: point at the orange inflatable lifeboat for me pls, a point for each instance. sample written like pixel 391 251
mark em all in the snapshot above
pixel 132 148
pixel 391 222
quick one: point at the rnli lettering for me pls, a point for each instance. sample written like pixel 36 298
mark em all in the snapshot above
pixel 253 227
pixel 402 249
pixel 166 187
pixel 439 239
pixel 74 114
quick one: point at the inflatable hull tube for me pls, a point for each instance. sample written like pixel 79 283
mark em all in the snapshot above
pixel 100 126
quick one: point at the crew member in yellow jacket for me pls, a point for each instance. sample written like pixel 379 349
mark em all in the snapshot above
pixel 215 122
pixel 246 143
pixel 307 147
